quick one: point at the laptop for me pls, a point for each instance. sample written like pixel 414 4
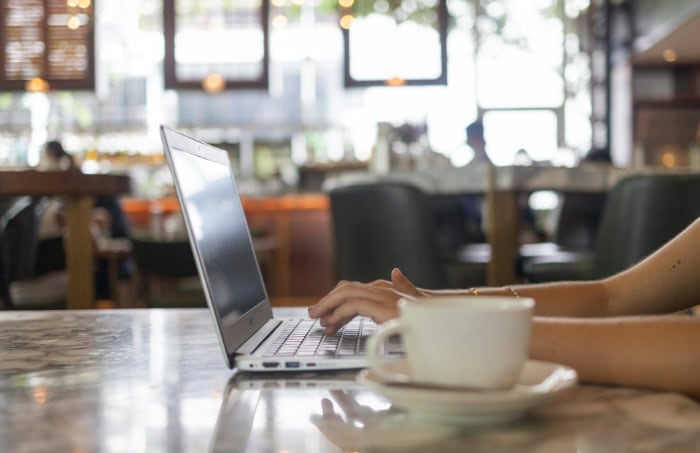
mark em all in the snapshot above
pixel 251 339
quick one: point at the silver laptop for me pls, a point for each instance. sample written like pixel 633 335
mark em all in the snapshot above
pixel 250 338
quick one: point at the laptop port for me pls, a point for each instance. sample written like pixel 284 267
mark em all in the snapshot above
pixel 270 364
pixel 310 364
pixel 292 364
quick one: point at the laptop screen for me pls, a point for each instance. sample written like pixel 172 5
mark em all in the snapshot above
pixel 218 225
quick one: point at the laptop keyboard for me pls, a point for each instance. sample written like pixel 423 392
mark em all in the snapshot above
pixel 304 337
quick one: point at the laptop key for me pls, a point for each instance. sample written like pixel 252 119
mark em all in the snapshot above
pixel 306 338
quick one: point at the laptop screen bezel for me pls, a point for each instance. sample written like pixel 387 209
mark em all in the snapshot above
pixel 231 335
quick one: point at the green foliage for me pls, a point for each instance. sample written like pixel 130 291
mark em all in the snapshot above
pixel 5 101
pixel 418 11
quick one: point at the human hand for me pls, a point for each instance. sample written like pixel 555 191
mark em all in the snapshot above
pixel 349 432
pixel 377 300
pixel 352 426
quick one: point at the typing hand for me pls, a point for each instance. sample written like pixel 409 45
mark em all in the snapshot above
pixel 377 300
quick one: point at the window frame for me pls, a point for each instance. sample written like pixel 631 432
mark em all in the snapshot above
pixel 350 82
pixel 85 84
pixel 170 65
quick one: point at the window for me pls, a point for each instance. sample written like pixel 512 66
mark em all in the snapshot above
pixel 46 41
pixel 216 45
pixel 394 43
pixel 533 80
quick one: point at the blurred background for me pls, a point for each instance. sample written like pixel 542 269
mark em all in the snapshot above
pixel 301 91
pixel 288 84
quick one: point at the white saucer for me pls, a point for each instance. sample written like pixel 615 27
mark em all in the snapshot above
pixel 538 382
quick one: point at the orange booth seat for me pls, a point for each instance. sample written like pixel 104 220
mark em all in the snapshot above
pixel 138 210
pixel 299 225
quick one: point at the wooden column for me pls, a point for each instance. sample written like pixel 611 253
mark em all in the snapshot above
pixel 80 252
pixel 502 212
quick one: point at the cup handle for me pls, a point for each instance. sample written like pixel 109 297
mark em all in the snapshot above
pixel 374 359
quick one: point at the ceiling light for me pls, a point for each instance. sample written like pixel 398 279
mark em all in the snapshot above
pixel 346 21
pixel 670 55
pixel 395 82
pixel 280 21
pixel 73 22
pixel 37 85
pixel 213 83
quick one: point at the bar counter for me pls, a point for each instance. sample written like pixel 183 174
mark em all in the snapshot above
pixel 154 380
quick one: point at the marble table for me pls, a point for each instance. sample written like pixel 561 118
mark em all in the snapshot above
pixel 154 380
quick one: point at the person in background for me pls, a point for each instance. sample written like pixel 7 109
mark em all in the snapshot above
pixel 636 328
pixel 522 158
pixel 473 205
pixel 598 155
pixel 477 141
pixel 56 158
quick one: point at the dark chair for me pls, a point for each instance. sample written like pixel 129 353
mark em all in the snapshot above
pixel 21 287
pixel 641 214
pixel 51 256
pixel 383 225
pixel 167 272
pixel 574 236
pixel 463 249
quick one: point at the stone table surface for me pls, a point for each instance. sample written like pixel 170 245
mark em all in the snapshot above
pixel 154 380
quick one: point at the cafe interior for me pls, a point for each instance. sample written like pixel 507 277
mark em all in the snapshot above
pixel 471 143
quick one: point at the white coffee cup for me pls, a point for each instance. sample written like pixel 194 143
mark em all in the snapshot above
pixel 458 341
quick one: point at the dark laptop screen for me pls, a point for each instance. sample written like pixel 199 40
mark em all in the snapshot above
pixel 218 225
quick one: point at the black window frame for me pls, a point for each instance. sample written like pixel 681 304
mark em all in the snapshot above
pixel 85 84
pixel 170 66
pixel 350 82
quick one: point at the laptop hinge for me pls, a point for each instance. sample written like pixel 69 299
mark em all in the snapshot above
pixel 252 343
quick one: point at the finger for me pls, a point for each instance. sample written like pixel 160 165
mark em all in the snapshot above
pixel 345 401
pixel 402 283
pixel 314 311
pixel 327 407
pixel 381 283
pixel 338 288
pixel 378 308
pixel 349 297
pixel 340 295
pixel 332 326
pixel 378 312
pixel 350 406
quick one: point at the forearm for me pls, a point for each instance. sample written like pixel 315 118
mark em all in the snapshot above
pixel 570 299
pixel 655 352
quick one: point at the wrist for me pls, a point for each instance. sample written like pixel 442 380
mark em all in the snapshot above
pixel 502 291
